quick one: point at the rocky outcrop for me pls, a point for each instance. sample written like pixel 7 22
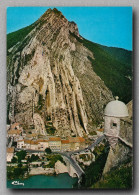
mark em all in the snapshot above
pixel 126 130
pixel 117 155
pixel 60 168
pixel 51 78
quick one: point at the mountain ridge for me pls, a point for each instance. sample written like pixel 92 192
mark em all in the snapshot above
pixel 51 79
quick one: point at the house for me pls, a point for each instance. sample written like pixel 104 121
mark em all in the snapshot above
pixel 34 145
pixel 42 144
pixel 55 144
pixel 65 145
pixel 76 143
pixel 82 142
pixel 31 136
pixel 10 154
pixel 27 144
pixel 20 144
pixel 15 126
pixel 15 134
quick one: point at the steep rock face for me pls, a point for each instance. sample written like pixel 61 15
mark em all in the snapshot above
pixel 50 78
pixel 117 155
pixel 60 168
pixel 126 131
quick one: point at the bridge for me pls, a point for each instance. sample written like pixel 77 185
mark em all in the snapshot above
pixel 77 169
pixel 73 167
pixel 90 147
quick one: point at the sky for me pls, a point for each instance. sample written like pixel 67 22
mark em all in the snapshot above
pixel 110 26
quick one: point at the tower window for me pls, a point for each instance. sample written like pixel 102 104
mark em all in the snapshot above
pixel 114 124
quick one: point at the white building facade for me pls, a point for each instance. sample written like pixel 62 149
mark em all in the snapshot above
pixel 113 112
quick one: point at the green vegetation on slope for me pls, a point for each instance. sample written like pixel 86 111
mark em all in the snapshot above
pixel 94 171
pixel 119 178
pixel 53 159
pixel 21 155
pixel 18 36
pixel 122 55
pixel 16 172
pixel 114 66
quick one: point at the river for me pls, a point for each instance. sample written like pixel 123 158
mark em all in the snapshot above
pixel 60 181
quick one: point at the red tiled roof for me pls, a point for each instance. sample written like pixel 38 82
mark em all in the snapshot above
pixel 27 141
pixel 31 135
pixel 14 125
pixel 65 141
pixel 42 140
pixel 17 132
pixel 76 139
pixel 101 130
pixel 10 150
pixel 34 142
pixel 20 140
pixel 54 139
pixel 81 139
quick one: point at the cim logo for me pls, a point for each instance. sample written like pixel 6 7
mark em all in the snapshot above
pixel 17 183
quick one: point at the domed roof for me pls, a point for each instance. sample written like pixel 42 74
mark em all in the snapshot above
pixel 116 108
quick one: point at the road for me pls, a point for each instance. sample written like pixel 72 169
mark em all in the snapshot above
pixel 75 165
pixel 89 147
pixel 68 155
pixel 73 162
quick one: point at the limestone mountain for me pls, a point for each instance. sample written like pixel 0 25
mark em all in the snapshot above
pixel 52 85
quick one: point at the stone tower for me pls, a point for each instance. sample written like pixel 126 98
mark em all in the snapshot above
pixel 113 112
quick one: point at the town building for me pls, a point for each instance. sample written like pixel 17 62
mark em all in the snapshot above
pixel 20 144
pixel 15 126
pixel 15 134
pixel 76 143
pixel 10 154
pixel 34 145
pixel 65 145
pixel 55 144
pixel 43 144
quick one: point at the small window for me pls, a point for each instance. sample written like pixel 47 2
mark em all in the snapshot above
pixel 114 124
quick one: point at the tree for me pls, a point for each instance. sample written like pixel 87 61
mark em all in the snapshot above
pixel 19 165
pixel 21 155
pixel 34 158
pixel 48 150
pixel 14 160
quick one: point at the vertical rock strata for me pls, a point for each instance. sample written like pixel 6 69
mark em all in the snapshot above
pixel 51 80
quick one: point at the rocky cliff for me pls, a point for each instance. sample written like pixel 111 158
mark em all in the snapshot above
pixel 51 84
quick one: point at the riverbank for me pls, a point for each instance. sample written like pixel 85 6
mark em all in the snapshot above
pixel 41 171
pixel 60 181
